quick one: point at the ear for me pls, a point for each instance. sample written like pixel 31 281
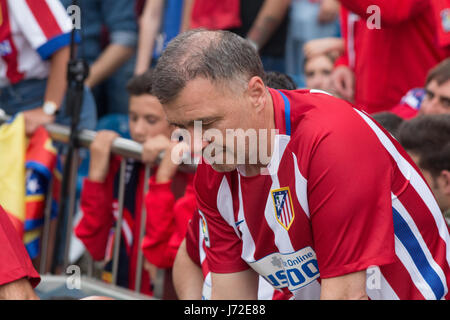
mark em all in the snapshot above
pixel 445 178
pixel 256 91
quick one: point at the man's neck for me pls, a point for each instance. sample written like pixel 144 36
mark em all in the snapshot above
pixel 267 122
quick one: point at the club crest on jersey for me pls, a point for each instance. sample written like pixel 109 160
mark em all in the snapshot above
pixel 284 210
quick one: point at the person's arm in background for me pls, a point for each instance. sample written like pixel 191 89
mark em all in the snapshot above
pixel 391 12
pixel 97 196
pixel 54 93
pixel 149 24
pixel 120 20
pixel 186 18
pixel 268 20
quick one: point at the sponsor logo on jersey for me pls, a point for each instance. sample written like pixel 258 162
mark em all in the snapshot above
pixel 284 210
pixel 205 231
pixel 294 270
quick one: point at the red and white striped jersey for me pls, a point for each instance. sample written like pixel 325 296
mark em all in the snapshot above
pixel 30 32
pixel 196 239
pixel 342 196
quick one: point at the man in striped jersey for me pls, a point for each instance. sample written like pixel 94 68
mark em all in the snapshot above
pixel 34 51
pixel 339 201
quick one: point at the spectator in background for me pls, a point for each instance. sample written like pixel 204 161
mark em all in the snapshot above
pixel 427 140
pixel 148 126
pixel 437 90
pixel 35 39
pixel 433 99
pixel 309 19
pixel 110 59
pixel 159 23
pixel 318 70
pixel 390 46
pixel 263 22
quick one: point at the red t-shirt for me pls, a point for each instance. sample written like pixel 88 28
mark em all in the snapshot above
pixel 395 58
pixel 15 263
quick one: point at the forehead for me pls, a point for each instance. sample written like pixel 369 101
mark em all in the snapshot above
pixel 444 88
pixel 198 100
pixel 145 104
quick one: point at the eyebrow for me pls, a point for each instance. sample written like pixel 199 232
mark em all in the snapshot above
pixel 190 123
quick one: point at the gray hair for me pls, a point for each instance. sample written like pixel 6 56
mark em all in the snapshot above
pixel 219 56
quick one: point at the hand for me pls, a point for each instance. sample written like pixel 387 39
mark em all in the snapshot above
pixel 343 82
pixel 35 118
pixel 100 150
pixel 173 156
pixel 321 46
pixel 329 11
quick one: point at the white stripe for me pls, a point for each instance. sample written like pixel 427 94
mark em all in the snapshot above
pixel 408 219
pixel 416 181
pixel 280 143
pixel 385 291
pixel 301 186
pixel 225 204
pixel 30 27
pixel 248 244
pixel 60 14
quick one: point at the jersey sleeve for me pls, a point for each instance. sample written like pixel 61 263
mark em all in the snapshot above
pixel 193 238
pixel 15 262
pixel 349 196
pixel 44 23
pixel 223 245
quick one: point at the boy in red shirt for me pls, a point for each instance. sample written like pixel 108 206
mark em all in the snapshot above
pixel 99 195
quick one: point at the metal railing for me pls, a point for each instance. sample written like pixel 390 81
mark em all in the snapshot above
pixel 126 149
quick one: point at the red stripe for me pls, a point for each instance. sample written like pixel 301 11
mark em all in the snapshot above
pixel 398 278
pixel 45 18
pixel 12 69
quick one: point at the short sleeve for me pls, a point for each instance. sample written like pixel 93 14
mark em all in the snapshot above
pixel 44 23
pixel 15 262
pixel 349 198
pixel 223 245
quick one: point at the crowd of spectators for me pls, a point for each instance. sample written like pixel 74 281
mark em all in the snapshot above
pixel 391 61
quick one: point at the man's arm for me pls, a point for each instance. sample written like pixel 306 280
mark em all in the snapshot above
pixel 149 24
pixel 186 18
pixel 351 286
pixel 241 285
pixel 266 23
pixel 55 91
pixel 187 276
pixel 111 59
pixel 18 290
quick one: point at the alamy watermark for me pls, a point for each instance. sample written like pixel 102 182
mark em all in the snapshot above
pixel 74 13
pixel 73 281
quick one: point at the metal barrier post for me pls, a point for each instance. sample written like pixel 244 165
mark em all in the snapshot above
pixel 138 280
pixel 72 205
pixel 118 231
pixel 46 229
